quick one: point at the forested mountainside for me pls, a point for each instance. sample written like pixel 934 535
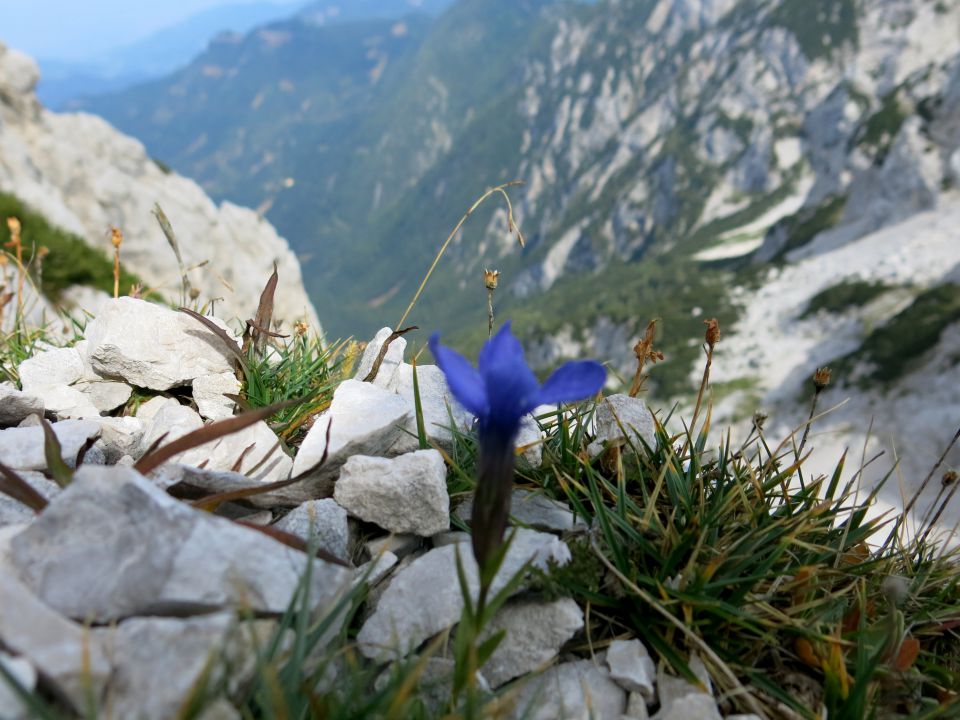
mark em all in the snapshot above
pixel 670 150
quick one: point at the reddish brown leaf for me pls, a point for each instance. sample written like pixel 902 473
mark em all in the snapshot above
pixel 208 433
pixel 220 333
pixel 907 655
pixel 20 490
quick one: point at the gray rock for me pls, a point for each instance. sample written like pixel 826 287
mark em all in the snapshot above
pixel 152 347
pixel 578 690
pixel 22 448
pixel 105 395
pixel 434 683
pixel 424 598
pixel 387 374
pixel 375 570
pixel 216 481
pixel 166 421
pixel 209 393
pixel 672 690
pixel 161 661
pixel 119 436
pixel 15 405
pixel 146 411
pixel 256 448
pixel 400 545
pixel 56 366
pixel 450 537
pixel 632 668
pixel 363 420
pixel 533 509
pixel 407 494
pixel 63 651
pixel 530 438
pixel 66 402
pixel 441 411
pixel 636 707
pixel 619 419
pixel 535 633
pixel 13 512
pixel 24 675
pixel 323 519
pixel 112 545
pixel 697 706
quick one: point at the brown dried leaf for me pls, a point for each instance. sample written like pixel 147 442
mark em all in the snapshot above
pixel 208 433
pixel 220 333
pixel 12 485
pixel 907 655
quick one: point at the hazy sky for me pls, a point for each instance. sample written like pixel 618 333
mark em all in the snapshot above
pixel 75 29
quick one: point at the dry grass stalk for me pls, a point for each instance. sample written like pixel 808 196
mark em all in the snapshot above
pixel 116 238
pixel 490 280
pixel 711 338
pixel 16 244
pixel 378 361
pixel 645 353
pixel 514 228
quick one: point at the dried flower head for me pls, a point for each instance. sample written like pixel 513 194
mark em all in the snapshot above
pixel 712 336
pixel 491 278
pixel 13 224
pixel 759 419
pixel 821 378
pixel 194 293
pixel 949 478
pixel 300 328
pixel 42 252
pixel 116 237
pixel 136 291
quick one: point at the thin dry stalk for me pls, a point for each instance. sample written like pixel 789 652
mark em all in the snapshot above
pixel 378 361
pixel 501 189
pixel 710 340
pixel 490 280
pixel 16 243
pixel 171 236
pixel 645 353
pixel 116 238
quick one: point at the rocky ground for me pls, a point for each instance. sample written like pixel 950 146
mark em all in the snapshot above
pixel 120 589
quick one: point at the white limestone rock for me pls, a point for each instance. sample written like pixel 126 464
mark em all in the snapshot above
pixel 632 668
pixel 147 410
pixel 263 460
pixel 363 420
pixel 622 411
pixel 159 661
pixel 105 395
pixel 55 366
pixel 530 439
pixel 22 448
pixel 153 347
pixel 66 402
pixel 398 544
pixel 112 545
pixel 323 519
pixel 119 436
pixel 441 411
pixel 424 598
pixel 25 676
pixel 15 405
pixel 697 706
pixel 536 631
pixel 375 570
pixel 216 481
pixel 386 377
pixel 13 512
pixel 674 690
pixel 65 652
pixel 406 494
pixel 209 393
pixel 579 690
pixel 533 509
pixel 166 420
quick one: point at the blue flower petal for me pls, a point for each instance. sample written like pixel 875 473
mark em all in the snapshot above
pixel 502 350
pixel 463 380
pixel 573 381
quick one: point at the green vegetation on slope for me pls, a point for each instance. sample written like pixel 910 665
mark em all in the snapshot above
pixel 843 296
pixel 69 260
pixel 821 26
pixel 893 349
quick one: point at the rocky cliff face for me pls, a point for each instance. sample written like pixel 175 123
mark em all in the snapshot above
pixel 85 177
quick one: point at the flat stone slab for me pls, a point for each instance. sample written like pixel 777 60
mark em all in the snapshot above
pixel 406 494
pixel 424 598
pixel 579 690
pixel 22 448
pixel 113 545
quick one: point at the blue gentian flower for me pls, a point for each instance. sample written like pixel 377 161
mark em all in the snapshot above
pixel 500 391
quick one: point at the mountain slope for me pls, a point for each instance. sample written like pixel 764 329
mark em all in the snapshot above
pixel 661 142
pixel 84 177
